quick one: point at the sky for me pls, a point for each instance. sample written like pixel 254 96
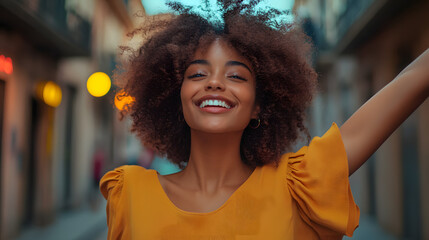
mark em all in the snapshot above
pixel 158 6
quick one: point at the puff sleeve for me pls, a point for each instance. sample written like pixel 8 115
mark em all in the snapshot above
pixel 111 186
pixel 317 178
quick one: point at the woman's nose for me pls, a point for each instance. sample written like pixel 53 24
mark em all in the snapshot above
pixel 215 83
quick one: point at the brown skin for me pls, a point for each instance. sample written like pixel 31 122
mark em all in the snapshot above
pixel 215 168
pixel 377 119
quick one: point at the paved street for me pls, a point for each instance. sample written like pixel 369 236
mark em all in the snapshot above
pixel 102 235
pixel 81 224
pixel 369 229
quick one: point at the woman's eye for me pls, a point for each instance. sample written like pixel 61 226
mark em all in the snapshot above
pixel 238 77
pixel 197 75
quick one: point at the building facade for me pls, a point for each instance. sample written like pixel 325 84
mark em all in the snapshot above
pixel 362 46
pixel 47 153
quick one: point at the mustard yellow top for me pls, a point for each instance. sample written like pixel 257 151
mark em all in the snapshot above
pixel 306 197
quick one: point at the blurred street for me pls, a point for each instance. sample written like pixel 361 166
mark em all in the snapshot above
pixel 60 130
pixel 87 224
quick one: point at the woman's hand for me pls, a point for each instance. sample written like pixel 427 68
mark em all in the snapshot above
pixel 377 119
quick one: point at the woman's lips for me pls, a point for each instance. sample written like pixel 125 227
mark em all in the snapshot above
pixel 212 109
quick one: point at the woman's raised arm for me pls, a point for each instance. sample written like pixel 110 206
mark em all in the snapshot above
pixel 373 123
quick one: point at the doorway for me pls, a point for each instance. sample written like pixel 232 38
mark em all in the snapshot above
pixel 2 92
pixel 31 165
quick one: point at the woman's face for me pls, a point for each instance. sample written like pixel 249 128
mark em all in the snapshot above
pixel 218 90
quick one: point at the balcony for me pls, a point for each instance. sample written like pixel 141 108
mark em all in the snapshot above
pixel 361 19
pixel 48 26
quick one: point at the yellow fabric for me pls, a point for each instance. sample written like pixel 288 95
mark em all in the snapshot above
pixel 306 197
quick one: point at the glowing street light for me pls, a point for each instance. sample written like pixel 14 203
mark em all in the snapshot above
pixel 98 84
pixel 49 92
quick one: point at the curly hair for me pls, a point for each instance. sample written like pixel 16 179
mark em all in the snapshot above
pixel 279 54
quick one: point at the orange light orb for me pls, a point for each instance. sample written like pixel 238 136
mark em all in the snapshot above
pixel 6 65
pixel 123 100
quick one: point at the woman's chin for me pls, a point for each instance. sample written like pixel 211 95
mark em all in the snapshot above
pixel 217 129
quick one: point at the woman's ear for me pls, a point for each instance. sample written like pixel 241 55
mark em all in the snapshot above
pixel 255 113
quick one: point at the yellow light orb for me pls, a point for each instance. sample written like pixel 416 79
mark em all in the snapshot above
pixel 52 94
pixel 98 84
pixel 122 100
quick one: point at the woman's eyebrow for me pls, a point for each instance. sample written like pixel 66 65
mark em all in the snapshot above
pixel 229 63
pixel 237 63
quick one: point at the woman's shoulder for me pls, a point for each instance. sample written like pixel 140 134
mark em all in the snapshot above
pixel 115 180
pixel 127 171
pixel 329 144
pixel 317 179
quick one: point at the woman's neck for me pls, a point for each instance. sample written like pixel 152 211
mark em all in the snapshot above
pixel 215 162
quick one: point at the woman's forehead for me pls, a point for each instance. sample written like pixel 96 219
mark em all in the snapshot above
pixel 219 47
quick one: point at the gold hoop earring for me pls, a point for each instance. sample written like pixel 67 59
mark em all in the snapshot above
pixel 252 126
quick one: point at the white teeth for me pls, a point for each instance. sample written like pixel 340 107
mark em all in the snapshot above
pixel 218 103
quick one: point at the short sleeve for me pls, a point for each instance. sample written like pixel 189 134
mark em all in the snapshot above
pixel 318 180
pixel 111 186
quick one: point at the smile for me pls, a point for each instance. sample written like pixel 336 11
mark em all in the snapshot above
pixel 214 103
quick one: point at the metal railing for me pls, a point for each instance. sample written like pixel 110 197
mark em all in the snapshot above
pixel 64 29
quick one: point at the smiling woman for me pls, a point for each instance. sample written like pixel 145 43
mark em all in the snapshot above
pixel 284 81
pixel 218 91
pixel 197 85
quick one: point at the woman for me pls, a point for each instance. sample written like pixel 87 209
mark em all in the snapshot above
pixel 224 101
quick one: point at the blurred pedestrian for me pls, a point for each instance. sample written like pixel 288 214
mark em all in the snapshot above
pixel 224 99
pixel 98 161
pixel 146 157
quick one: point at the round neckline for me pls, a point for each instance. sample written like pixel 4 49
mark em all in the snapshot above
pixel 230 198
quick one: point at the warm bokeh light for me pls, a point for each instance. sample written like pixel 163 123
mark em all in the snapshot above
pixel 51 94
pixel 98 84
pixel 122 100
pixel 6 65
